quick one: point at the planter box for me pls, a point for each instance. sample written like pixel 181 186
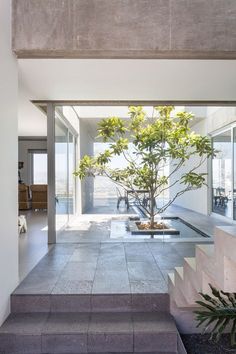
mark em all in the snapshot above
pixel 135 230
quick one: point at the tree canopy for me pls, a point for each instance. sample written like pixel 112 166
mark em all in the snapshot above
pixel 161 140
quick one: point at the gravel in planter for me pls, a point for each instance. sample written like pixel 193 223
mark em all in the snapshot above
pixel 201 344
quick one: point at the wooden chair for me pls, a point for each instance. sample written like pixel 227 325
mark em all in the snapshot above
pixel 39 196
pixel 23 197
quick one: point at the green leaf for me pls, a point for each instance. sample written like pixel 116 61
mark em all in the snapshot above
pixel 221 311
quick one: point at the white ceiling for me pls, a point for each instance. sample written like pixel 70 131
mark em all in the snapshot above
pixel 81 79
pixel 112 111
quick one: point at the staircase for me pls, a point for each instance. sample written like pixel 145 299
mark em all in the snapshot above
pixel 113 323
pixel 214 264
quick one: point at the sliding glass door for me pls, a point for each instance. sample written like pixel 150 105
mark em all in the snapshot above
pixel 64 167
pixel 222 175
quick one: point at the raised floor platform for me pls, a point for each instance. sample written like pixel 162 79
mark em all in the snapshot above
pixel 106 268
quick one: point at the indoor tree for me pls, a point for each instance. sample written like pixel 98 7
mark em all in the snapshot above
pixel 157 141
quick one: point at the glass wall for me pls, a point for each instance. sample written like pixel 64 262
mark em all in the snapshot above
pixel 71 179
pixel 222 176
pixel 234 173
pixel 64 167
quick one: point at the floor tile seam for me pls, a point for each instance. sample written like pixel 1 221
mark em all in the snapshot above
pixel 181 255
pixel 160 270
pixel 63 334
pixel 96 269
pixel 90 331
pixel 126 263
pixel 58 279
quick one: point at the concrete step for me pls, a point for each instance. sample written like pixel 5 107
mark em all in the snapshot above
pixel 65 333
pixel 184 318
pixel 225 242
pixel 180 290
pixel 205 261
pixel 90 303
pixel 190 273
pixel 228 275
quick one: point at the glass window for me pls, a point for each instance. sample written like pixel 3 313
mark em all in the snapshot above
pixel 222 175
pixel 40 168
pixel 234 177
pixel 65 143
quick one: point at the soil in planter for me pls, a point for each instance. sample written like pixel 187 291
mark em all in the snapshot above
pixel 147 226
pixel 201 344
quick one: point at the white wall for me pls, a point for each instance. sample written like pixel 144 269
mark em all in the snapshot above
pixel 219 117
pixel 194 200
pixel 87 185
pixel 8 162
pixel 23 155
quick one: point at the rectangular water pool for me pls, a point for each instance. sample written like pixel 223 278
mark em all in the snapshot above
pixel 121 229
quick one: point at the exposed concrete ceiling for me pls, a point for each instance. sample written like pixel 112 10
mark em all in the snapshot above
pixel 156 80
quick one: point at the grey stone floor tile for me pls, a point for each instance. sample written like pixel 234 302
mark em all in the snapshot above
pixel 117 264
pixel 145 286
pixel 37 284
pixel 135 246
pixel 154 331
pixel 150 342
pixel 79 271
pixel 52 262
pixel 85 255
pixel 167 257
pixel 112 248
pixel 153 322
pixel 76 303
pixel 64 286
pixel 112 257
pixel 112 303
pixel 103 343
pixel 111 323
pixel 169 262
pixel 64 343
pixel 150 302
pixel 143 271
pixel 30 303
pixel 24 323
pixel 63 249
pixel 161 248
pixel 185 249
pixel 111 282
pixel 144 257
pixel 22 343
pixel 89 245
pixel 64 323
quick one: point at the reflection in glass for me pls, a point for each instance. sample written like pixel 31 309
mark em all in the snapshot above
pixel 71 179
pixel 61 174
pixel 222 175
pixel 234 177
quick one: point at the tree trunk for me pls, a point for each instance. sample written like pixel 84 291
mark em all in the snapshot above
pixel 152 210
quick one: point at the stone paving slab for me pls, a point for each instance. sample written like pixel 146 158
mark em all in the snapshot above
pixel 105 268
pixel 90 303
pixel 92 333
